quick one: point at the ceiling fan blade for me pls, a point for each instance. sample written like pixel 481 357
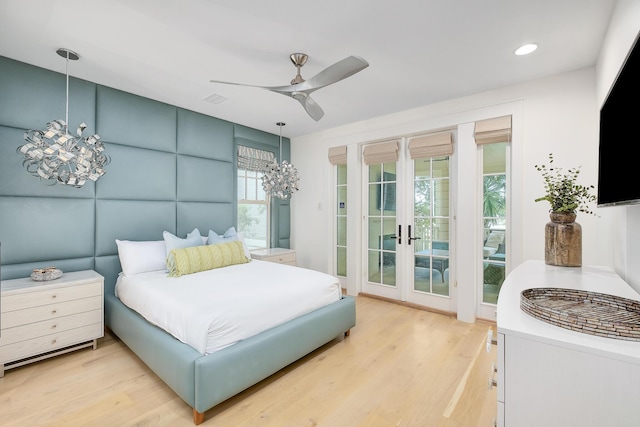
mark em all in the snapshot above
pixel 334 73
pixel 310 105
pixel 238 84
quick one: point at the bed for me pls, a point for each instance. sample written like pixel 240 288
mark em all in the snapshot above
pixel 203 375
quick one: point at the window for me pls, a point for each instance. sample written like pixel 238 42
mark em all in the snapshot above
pixel 493 136
pixel 494 204
pixel 253 206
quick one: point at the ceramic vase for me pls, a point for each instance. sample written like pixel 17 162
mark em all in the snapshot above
pixel 563 240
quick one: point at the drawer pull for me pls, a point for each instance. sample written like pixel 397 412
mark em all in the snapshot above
pixel 54 311
pixel 54 326
pixel 53 296
pixel 54 341
pixel 492 381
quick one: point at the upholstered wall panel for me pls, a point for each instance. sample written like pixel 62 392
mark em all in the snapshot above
pixel 128 119
pixel 41 229
pixel 284 236
pixel 204 136
pixel 32 97
pixel 255 136
pixel 109 267
pixel 131 220
pixel 204 180
pixel 204 216
pixel 129 177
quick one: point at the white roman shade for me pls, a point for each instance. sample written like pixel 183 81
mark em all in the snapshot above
pixel 432 145
pixel 384 152
pixel 493 130
pixel 338 155
pixel 253 159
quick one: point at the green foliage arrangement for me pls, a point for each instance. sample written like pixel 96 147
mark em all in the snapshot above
pixel 562 190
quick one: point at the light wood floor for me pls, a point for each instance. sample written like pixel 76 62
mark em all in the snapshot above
pixel 400 366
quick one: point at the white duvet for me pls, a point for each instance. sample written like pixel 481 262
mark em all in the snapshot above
pixel 214 309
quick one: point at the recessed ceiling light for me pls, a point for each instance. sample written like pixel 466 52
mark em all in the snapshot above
pixel 526 49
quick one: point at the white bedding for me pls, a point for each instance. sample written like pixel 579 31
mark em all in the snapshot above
pixel 214 309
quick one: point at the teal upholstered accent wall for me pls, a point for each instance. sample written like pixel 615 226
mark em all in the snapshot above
pixel 171 169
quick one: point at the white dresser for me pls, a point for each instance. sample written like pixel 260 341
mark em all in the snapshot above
pixel 44 319
pixel 550 376
pixel 279 255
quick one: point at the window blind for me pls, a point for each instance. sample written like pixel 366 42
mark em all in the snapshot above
pixel 493 130
pixel 253 159
pixel 384 152
pixel 338 155
pixel 431 145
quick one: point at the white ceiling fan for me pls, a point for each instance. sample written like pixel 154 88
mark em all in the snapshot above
pixel 301 89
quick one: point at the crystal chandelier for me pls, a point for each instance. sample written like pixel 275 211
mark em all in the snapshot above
pixel 280 180
pixel 55 156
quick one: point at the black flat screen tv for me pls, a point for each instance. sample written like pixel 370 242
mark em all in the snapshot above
pixel 618 161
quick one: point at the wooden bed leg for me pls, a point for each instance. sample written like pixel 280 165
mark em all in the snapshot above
pixel 347 333
pixel 198 417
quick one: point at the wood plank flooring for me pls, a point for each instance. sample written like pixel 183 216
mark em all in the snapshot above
pixel 400 366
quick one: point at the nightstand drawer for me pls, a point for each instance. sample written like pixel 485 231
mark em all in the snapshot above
pixel 27 348
pixel 289 258
pixel 20 301
pixel 279 255
pixel 48 327
pixel 12 319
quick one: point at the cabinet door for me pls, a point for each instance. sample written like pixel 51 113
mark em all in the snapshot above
pixel 548 385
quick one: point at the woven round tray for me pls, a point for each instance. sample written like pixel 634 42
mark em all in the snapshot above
pixel 582 311
pixel 46 274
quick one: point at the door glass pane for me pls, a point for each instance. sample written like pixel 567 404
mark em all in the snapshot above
pixel 342 231
pixel 431 225
pixel 341 258
pixel 382 224
pixel 342 174
pixel 494 207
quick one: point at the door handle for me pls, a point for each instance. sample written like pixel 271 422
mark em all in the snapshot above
pixel 399 236
pixel 409 238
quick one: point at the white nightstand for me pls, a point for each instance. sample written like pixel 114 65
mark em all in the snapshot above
pixel 279 255
pixel 45 319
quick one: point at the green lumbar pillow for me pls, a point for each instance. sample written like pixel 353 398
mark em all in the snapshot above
pixel 206 257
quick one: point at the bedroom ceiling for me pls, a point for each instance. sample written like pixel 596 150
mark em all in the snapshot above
pixel 420 51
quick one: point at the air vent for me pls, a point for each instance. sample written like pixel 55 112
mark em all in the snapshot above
pixel 216 99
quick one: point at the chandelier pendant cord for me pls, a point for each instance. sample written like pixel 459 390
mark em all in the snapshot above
pixel 66 111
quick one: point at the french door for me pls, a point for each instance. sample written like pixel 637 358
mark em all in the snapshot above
pixel 407 219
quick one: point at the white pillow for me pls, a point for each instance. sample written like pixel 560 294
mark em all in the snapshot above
pixel 141 257
pixel 174 242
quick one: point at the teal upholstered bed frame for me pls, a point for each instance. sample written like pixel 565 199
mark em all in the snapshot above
pixel 171 169
pixel 204 381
